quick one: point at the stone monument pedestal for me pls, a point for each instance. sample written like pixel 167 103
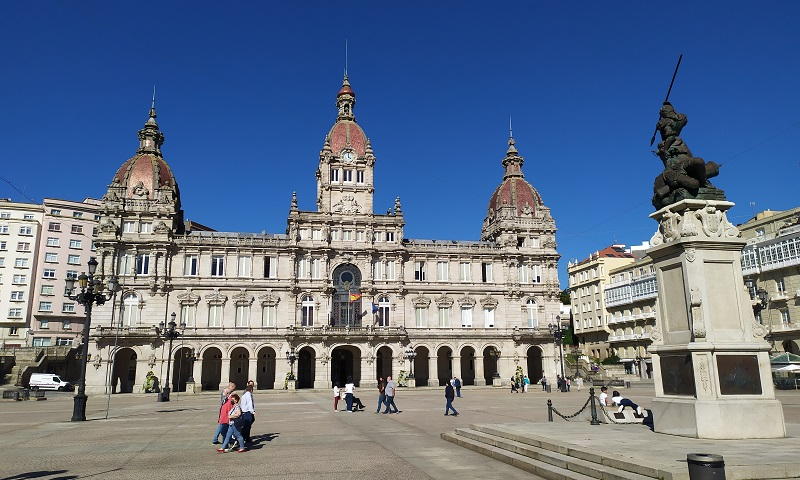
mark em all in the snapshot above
pixel 192 388
pixel 291 385
pixel 411 382
pixel 710 360
pixel 497 382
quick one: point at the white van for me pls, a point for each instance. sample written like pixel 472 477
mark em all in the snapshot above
pixel 48 381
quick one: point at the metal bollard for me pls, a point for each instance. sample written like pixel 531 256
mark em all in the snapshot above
pixel 705 466
pixel 594 421
pixel 549 410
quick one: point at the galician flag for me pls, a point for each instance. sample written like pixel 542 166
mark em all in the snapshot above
pixel 355 296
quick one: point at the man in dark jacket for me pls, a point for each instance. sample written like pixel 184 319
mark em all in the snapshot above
pixel 449 395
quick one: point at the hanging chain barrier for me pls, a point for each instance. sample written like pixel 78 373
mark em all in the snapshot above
pixel 589 401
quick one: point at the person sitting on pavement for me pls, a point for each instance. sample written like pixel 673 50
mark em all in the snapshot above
pixel 623 402
pixel 603 396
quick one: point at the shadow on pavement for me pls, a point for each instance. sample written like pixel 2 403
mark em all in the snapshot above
pixel 258 440
pixel 42 474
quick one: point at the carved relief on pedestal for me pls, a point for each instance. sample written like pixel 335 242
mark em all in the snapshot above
pixel 698 324
pixel 697 219
pixel 703 376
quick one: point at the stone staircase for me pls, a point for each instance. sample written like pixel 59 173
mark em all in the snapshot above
pixel 28 359
pixel 552 459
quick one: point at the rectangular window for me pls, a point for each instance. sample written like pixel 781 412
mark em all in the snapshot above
pixel 347 235
pixel 45 307
pixel 190 265
pixel 390 270
pixel 360 235
pixel 780 286
pixel 48 290
pixel 270 267
pixel 142 264
pixel 316 234
pixel 72 273
pixel 524 274
pixel 77 214
pixel 334 174
pixel 188 314
pixel 63 342
pixel 19 279
pixel 49 273
pixel 444 317
pixel 51 257
pixel 3 245
pixel 466 271
pixel 145 227
pixel 488 317
pixel 419 271
pixel 215 315
pixel 55 211
pixel 23 247
pixel 125 264
pixel 128 227
pixel 442 271
pixel 41 341
pixel 336 234
pixel 53 227
pixel 17 295
pixel 360 176
pixel 379 270
pixel 68 308
pixel 242 315
pixel 21 263
pixel 378 236
pixel 14 312
pixel 269 316
pixel 25 230
pixel 316 268
pixel 74 259
pixel 217 266
pixel 74 244
pixel 419 316
pixel 785 317
pixel 466 317
pixel 486 273
pixel 348 175
pixel 304 234
pixel 3 228
pixel 77 229
pixel 13 331
pixel 245 266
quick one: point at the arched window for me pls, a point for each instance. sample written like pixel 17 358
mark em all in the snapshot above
pixel 530 310
pixel 130 310
pixel 308 311
pixel 383 311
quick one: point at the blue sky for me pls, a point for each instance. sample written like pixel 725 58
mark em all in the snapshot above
pixel 246 94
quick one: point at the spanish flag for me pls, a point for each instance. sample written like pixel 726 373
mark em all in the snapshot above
pixel 355 297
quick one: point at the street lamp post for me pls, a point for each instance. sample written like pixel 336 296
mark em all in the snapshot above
pixel 91 293
pixel 410 355
pixel 168 332
pixel 192 357
pixel 291 357
pixel 558 335
pixel 494 353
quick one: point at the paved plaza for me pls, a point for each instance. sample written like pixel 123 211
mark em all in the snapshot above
pixel 298 436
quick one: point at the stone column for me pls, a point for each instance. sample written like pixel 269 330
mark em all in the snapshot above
pixel 197 373
pixel 456 363
pixel 281 369
pixel 368 379
pixel 479 372
pixel 433 370
pixel 252 370
pixel 710 361
pixel 225 372
pixel 322 374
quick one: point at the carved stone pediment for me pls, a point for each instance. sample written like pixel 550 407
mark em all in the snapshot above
pixel 420 301
pixel 269 299
pixel 161 227
pixel 188 297
pixel 108 227
pixel 347 204
pixel 243 298
pixel 216 298
pixel 140 190
pixel 466 301
pixel 444 301
pixel 488 302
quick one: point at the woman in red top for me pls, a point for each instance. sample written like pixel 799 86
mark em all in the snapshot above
pixel 223 419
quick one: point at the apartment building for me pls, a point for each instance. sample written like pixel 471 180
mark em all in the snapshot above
pixel 20 227
pixel 771 261
pixel 587 279
pixel 631 301
pixel 65 246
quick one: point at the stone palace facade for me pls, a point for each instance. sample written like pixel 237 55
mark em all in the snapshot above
pixel 342 287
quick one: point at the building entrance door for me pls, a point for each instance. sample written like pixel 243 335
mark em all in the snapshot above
pixel 345 364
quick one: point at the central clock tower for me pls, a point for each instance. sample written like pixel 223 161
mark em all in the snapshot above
pixel 345 174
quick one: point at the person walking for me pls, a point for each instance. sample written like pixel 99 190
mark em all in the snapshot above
pixel 579 383
pixel 222 415
pixel 381 394
pixel 513 385
pixel 449 396
pixel 248 412
pixel 390 391
pixel 525 382
pixel 457 385
pixel 544 383
pixel 235 422
pixel 568 383
pixel 336 394
pixel 349 389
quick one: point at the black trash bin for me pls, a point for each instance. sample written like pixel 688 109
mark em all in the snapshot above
pixel 705 466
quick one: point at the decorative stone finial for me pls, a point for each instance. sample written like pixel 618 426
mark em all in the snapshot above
pixel 346 101
pixel 293 205
pixel 150 137
pixel 513 161
pixel 398 209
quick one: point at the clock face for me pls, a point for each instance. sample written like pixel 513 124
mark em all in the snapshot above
pixel 348 156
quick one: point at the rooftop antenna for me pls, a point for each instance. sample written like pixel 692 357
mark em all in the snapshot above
pixel 345 57
pixel 153 103
pixel 510 129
